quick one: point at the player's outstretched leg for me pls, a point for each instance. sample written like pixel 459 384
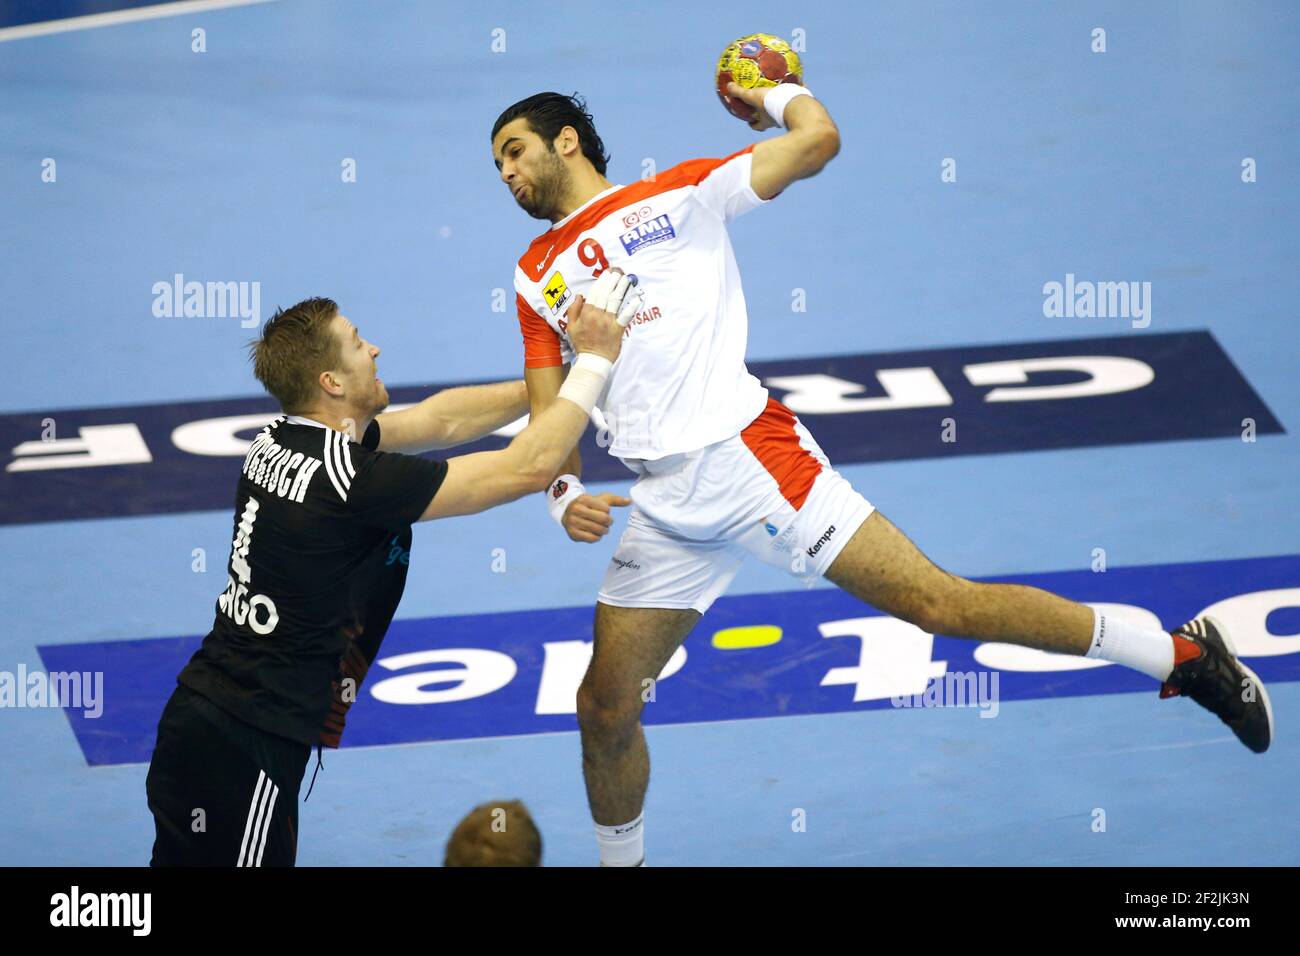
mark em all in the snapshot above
pixel 632 646
pixel 882 567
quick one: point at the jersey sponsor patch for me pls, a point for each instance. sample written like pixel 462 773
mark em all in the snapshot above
pixel 556 293
pixel 648 233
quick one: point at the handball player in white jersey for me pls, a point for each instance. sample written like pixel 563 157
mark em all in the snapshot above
pixel 724 471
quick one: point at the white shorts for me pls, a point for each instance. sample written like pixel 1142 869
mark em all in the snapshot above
pixel 769 491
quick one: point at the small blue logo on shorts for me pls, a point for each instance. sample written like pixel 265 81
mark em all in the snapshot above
pixel 770 528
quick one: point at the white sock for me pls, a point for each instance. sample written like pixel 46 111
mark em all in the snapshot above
pixel 622 845
pixel 1143 649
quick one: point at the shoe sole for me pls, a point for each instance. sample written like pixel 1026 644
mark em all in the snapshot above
pixel 1259 684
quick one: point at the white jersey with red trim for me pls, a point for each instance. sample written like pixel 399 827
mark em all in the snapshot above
pixel 680 383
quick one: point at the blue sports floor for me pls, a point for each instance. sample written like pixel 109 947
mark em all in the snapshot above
pixel 1122 165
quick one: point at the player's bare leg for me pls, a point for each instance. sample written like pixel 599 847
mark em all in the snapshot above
pixel 882 567
pixel 632 645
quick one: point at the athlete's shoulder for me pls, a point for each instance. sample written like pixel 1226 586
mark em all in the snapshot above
pixel 341 456
pixel 533 247
pixel 692 172
pixel 526 271
pixel 283 459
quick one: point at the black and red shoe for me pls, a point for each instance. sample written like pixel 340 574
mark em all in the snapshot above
pixel 1207 670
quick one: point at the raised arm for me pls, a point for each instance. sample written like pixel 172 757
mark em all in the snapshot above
pixel 811 140
pixel 453 416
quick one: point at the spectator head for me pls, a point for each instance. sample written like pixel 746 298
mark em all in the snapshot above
pixel 497 833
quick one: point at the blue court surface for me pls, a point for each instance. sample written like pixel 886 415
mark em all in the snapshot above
pixel 1143 455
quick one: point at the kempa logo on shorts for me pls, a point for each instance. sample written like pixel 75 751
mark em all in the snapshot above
pixel 103 909
pixel 812 552
pixel 75 690
pixel 626 564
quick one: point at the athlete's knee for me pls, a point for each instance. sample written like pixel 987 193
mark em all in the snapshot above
pixel 606 720
pixel 923 612
pixel 941 607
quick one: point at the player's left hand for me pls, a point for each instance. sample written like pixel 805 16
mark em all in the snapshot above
pixel 587 517
pixel 754 98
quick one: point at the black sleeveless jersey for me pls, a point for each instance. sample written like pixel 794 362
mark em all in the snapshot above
pixel 321 541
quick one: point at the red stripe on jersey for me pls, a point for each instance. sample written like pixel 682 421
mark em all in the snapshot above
pixel 541 342
pixel 774 442
pixel 546 247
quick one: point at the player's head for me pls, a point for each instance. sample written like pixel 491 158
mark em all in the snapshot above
pixel 311 358
pixel 539 144
pixel 501 833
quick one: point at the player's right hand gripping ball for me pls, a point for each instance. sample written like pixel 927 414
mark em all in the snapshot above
pixel 755 62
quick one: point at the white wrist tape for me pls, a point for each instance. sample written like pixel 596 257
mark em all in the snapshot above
pixel 563 490
pixel 586 380
pixel 779 97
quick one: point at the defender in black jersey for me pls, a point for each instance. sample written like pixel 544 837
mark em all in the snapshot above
pixel 315 573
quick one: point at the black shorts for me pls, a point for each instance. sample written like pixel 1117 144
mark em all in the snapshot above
pixel 222 792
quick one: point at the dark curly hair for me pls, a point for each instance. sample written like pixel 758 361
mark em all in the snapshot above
pixel 548 113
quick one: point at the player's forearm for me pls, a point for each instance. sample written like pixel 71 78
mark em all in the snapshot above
pixel 468 413
pixel 543 390
pixel 571 465
pixel 549 443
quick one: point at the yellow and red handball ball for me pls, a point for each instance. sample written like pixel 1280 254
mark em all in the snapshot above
pixel 754 62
